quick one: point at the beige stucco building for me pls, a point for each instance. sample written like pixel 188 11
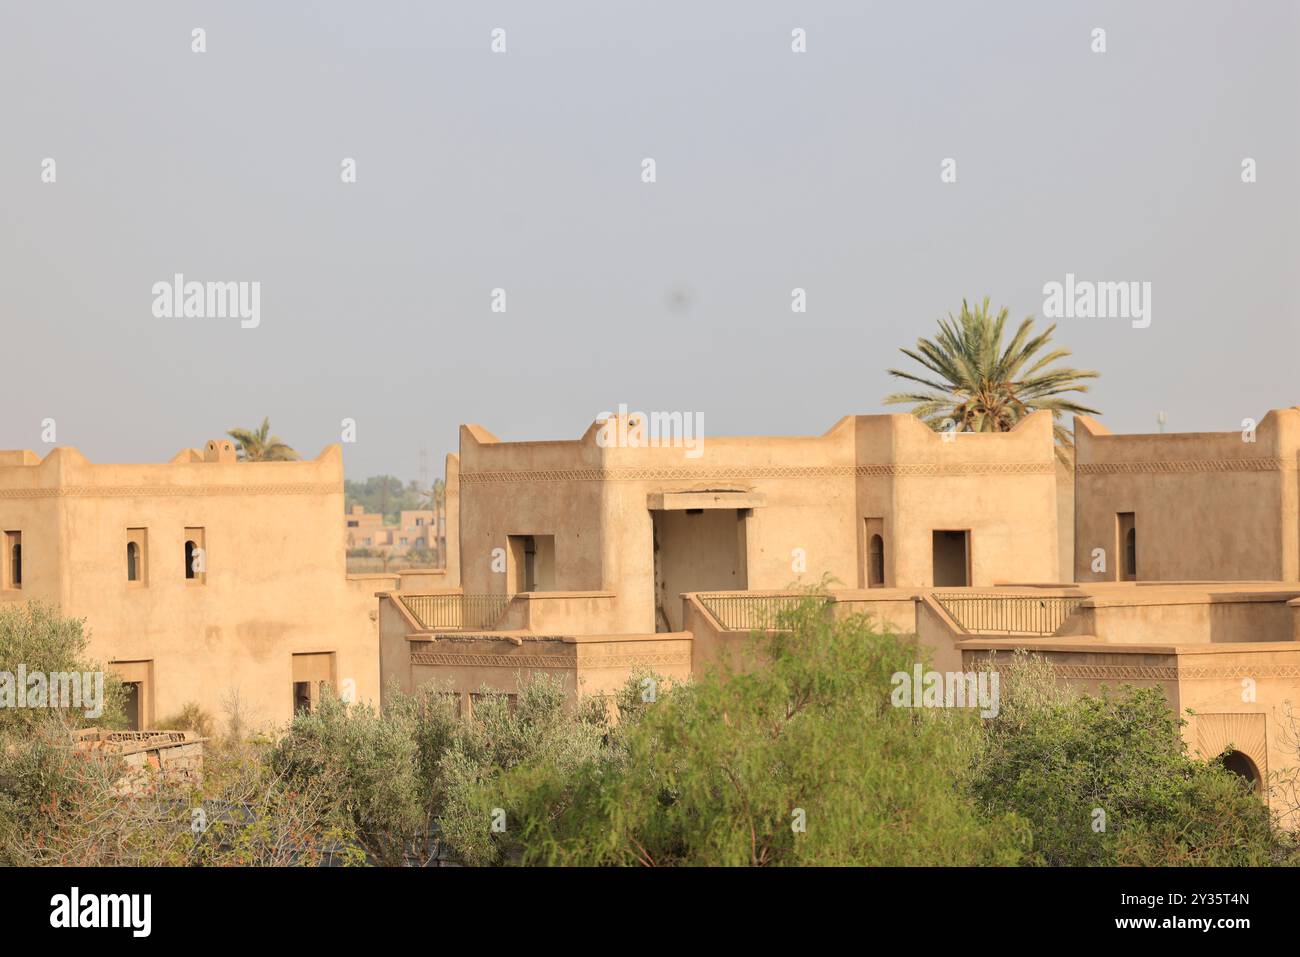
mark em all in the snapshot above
pixel 1164 560
pixel 591 545
pixel 201 579
pixel 877 501
pixel 1198 506
pixel 414 529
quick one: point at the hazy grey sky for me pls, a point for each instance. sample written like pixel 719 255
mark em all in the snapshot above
pixel 522 170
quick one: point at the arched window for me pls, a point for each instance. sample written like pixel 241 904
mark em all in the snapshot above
pixel 1242 766
pixel 132 562
pixel 877 562
pixel 189 559
pixel 1130 554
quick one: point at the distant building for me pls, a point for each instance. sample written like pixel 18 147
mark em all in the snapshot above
pixel 414 529
pixel 201 580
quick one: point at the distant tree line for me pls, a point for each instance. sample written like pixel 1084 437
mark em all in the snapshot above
pixel 385 495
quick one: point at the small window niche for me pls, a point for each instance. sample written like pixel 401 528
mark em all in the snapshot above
pixel 874 536
pixel 532 563
pixel 196 556
pixel 1126 527
pixel 11 562
pixel 137 557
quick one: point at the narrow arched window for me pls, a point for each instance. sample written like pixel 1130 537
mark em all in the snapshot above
pixel 877 553
pixel 1242 766
pixel 132 562
pixel 189 559
pixel 16 566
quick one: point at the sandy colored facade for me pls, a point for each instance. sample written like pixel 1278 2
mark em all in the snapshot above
pixel 1201 506
pixel 414 529
pixel 650 559
pixel 593 562
pixel 200 579
pixel 648 524
pixel 598 542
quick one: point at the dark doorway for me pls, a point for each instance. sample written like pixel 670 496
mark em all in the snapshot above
pixel 951 559
pixel 131 704
pixel 1243 767
pixel 696 550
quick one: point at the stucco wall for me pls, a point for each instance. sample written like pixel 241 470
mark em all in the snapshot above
pixel 1208 506
pixel 275 582
pixel 1001 487
pixel 810 497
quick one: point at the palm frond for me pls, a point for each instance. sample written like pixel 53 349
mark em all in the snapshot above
pixel 984 386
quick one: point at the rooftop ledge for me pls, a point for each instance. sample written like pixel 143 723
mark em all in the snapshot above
pixel 1202 596
pixel 544 595
pixel 519 637
pixel 530 595
pixel 834 594
pixel 1093 645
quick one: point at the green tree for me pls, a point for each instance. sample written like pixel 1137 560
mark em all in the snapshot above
pixel 371 761
pixel 975 384
pixel 384 495
pixel 36 637
pixel 418 768
pixel 544 729
pixel 800 760
pixel 260 446
pixel 1107 779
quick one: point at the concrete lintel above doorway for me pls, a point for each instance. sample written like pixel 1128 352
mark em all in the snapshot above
pixel 680 501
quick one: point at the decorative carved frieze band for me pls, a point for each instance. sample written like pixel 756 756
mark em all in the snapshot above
pixel 665 659
pixel 957 468
pixel 1184 467
pixel 1175 673
pixel 171 491
pixel 1118 672
pixel 1239 671
pixel 492 661
pixel 689 474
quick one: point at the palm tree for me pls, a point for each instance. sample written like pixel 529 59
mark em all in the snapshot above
pixel 979 386
pixel 258 447
pixel 437 497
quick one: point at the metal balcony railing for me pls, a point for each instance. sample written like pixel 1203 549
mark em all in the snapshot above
pixel 1008 614
pixel 752 612
pixel 456 611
